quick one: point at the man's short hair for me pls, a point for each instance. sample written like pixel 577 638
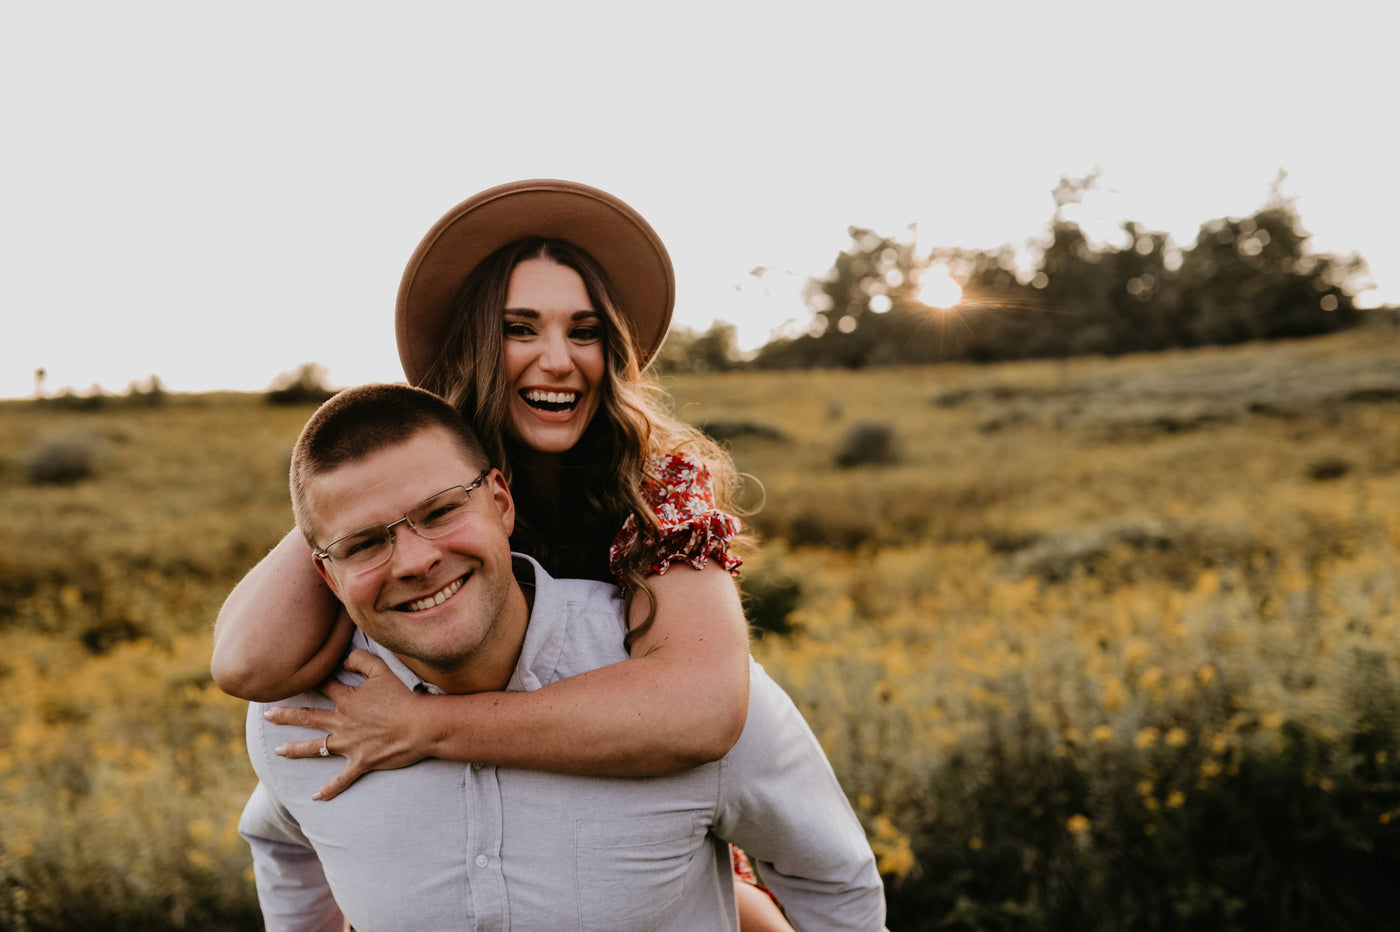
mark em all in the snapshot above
pixel 364 420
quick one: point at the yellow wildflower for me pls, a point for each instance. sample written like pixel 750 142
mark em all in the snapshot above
pixel 1136 652
pixel 885 829
pixel 1115 695
pixel 1077 824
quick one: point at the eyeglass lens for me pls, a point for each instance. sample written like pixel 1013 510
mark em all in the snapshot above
pixel 431 518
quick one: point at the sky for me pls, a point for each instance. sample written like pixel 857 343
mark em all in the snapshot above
pixel 220 193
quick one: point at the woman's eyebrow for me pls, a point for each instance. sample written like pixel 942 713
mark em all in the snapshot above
pixel 533 314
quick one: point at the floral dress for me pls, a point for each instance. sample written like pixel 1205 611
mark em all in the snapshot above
pixel 693 530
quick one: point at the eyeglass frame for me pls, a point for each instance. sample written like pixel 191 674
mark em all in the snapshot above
pixel 325 554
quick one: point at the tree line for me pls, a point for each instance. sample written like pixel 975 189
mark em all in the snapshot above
pixel 1247 278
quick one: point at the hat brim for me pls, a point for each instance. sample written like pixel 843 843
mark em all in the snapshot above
pixel 630 253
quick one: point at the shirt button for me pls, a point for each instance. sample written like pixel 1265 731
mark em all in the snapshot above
pixel 477 765
pixel 482 860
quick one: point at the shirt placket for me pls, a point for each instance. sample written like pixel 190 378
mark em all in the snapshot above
pixel 485 819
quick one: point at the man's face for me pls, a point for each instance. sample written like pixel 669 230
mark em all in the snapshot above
pixel 449 607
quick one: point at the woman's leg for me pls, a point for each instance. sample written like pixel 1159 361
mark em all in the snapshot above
pixel 757 911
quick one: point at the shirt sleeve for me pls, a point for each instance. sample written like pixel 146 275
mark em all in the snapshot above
pixel 693 530
pixel 292 888
pixel 781 803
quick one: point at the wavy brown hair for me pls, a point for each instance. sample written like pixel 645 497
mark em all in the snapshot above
pixel 603 474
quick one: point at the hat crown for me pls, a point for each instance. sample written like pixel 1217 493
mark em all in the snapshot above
pixel 630 253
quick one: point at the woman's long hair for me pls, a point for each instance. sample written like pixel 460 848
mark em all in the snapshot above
pixel 603 474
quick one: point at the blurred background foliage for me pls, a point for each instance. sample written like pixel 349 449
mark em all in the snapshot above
pixel 1092 643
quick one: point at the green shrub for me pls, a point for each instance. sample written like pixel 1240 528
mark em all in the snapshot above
pixel 306 385
pixel 867 443
pixel 721 431
pixel 62 460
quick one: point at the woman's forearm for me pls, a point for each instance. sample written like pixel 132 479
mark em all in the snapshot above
pixel 679 702
pixel 281 631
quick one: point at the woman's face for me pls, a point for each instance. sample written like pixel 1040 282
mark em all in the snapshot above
pixel 553 351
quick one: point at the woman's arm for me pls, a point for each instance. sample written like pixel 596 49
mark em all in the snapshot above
pixel 680 701
pixel 281 631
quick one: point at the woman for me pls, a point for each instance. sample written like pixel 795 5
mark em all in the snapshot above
pixel 533 307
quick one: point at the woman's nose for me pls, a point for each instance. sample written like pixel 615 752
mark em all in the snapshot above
pixel 555 357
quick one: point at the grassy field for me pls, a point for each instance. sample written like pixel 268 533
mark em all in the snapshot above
pixel 1092 644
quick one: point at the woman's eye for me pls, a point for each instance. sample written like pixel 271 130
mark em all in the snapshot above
pixel 518 330
pixel 586 334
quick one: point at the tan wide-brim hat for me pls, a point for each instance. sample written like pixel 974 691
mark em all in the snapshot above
pixel 632 256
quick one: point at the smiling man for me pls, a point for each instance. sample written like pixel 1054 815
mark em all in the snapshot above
pixel 410 526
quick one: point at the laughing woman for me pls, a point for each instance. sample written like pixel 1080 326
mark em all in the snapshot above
pixel 533 307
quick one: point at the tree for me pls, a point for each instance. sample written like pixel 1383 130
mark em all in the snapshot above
pixel 1254 278
pixel 1243 279
pixel 686 351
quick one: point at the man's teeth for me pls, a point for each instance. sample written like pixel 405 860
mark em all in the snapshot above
pixel 437 598
pixel 553 398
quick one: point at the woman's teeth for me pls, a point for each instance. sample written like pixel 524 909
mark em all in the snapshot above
pixel 437 598
pixel 556 400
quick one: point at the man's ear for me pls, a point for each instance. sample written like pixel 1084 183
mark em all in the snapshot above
pixel 324 572
pixel 500 494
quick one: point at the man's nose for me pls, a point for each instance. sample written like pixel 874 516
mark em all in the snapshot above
pixel 413 554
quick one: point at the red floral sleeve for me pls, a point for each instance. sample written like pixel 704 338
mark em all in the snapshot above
pixel 682 494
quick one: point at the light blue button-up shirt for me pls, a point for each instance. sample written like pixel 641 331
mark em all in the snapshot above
pixel 447 845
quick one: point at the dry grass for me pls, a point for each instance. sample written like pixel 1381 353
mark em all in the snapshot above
pixel 1095 607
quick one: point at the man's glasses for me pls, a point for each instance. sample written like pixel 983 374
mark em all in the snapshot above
pixel 370 547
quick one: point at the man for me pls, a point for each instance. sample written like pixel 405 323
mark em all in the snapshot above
pixel 411 529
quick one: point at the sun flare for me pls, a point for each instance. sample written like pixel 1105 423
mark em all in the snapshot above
pixel 937 289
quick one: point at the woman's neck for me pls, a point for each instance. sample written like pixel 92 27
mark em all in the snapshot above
pixel 538 475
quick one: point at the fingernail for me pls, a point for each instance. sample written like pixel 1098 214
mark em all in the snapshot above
pixel 280 750
pixel 316 795
pixel 267 714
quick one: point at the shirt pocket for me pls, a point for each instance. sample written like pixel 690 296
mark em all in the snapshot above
pixel 630 873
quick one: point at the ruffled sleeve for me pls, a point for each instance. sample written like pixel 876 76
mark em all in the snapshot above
pixel 681 492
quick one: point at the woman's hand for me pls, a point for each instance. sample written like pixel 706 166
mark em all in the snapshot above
pixel 371 724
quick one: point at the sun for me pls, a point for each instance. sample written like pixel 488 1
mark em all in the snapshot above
pixel 937 289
